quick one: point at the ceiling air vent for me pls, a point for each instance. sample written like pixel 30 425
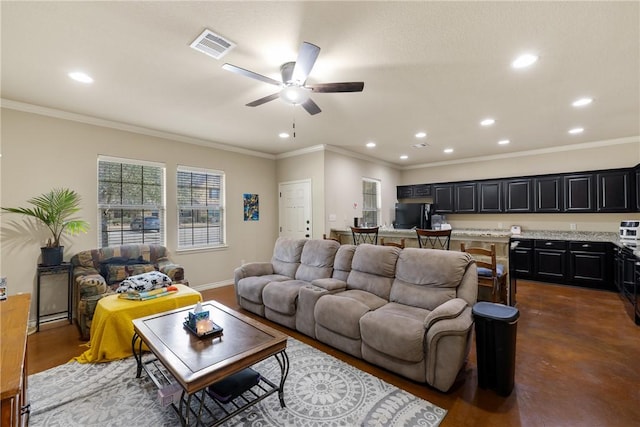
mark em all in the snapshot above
pixel 212 44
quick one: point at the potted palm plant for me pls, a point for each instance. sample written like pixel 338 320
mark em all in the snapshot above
pixel 55 210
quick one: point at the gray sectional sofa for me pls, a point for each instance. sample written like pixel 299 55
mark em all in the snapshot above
pixel 406 310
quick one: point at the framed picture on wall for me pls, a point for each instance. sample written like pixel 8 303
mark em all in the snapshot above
pixel 251 207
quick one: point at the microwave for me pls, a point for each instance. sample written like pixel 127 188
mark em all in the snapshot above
pixel 630 230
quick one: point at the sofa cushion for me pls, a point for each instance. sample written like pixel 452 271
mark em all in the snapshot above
pixel 342 262
pixel 341 312
pixel 283 296
pixel 286 256
pixel 250 288
pixel 316 261
pixel 397 330
pixel 426 278
pixel 373 269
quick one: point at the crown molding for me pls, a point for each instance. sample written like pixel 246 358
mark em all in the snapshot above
pixel 563 148
pixel 81 118
pixel 334 149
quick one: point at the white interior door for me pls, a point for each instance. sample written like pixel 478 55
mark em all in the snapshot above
pixel 295 209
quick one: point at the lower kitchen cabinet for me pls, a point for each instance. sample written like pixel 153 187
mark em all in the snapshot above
pixel 521 258
pixel 550 260
pixel 590 265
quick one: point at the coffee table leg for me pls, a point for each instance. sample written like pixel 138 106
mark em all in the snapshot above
pixel 138 355
pixel 283 361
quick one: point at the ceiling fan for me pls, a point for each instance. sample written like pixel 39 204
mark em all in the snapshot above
pixel 294 76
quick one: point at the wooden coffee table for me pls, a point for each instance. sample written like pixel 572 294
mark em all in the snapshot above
pixel 195 363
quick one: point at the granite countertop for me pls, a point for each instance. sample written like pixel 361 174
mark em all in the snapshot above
pixel 583 236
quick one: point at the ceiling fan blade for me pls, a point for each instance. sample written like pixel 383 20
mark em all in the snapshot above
pixel 337 87
pixel 306 58
pixel 311 107
pixel 251 74
pixel 264 100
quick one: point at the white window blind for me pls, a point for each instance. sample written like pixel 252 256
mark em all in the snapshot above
pixel 131 202
pixel 371 202
pixel 201 218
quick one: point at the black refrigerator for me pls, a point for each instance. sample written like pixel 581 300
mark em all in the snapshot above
pixel 410 215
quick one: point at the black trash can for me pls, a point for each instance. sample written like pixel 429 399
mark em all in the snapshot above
pixel 496 327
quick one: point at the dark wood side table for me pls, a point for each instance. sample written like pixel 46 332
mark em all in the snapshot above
pixel 45 270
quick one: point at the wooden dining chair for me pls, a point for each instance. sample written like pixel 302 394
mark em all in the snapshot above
pixel 324 236
pixel 491 275
pixel 365 235
pixel 397 245
pixel 433 239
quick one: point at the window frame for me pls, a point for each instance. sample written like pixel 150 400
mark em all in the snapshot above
pixel 221 207
pixel 127 234
pixel 378 195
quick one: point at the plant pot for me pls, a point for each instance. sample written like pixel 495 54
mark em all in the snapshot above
pixel 52 256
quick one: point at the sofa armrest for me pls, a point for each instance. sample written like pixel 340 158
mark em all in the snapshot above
pixel 174 271
pixel 252 269
pixel 90 285
pixel 449 310
pixel 330 284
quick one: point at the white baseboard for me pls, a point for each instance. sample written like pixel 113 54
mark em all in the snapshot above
pixel 205 286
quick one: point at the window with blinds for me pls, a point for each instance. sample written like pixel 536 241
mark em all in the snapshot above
pixel 371 202
pixel 200 208
pixel 130 202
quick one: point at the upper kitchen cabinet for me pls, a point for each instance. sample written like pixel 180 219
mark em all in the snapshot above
pixel 579 193
pixel 614 191
pixel 443 198
pixel 404 191
pixel 413 191
pixel 490 196
pixel 518 195
pixel 465 197
pixel 548 194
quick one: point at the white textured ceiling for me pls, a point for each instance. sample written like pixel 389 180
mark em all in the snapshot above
pixel 440 67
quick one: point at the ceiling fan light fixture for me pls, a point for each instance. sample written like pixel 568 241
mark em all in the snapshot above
pixel 294 95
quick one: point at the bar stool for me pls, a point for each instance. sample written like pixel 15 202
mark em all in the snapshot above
pixel 365 235
pixel 397 245
pixel 433 239
pixel 491 275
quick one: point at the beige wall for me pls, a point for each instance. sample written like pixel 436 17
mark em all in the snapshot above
pixel 343 179
pixel 614 154
pixel 40 153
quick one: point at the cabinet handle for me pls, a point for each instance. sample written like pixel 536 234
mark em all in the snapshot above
pixel 637 263
pixel 548 244
pixel 586 245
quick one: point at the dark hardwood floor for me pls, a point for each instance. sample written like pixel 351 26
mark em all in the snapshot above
pixel 577 362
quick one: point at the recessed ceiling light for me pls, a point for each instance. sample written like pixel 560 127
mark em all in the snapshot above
pixel 524 61
pixel 80 77
pixel 576 131
pixel 404 157
pixel 504 142
pixel 421 134
pixel 487 122
pixel 371 144
pixel 582 102
pixel 448 150
pixel 283 135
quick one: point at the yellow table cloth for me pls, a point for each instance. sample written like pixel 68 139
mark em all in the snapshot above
pixel 112 327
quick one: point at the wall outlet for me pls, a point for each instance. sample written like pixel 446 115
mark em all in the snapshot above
pixel 332 217
pixel 572 226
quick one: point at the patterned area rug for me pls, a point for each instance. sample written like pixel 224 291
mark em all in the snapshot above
pixel 320 390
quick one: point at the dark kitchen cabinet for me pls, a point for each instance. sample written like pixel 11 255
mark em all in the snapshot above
pixel 637 192
pixel 465 197
pixel 404 191
pixel 590 264
pixel 550 260
pixel 614 194
pixel 548 194
pixel 413 191
pixel 443 198
pixel 490 196
pixel 422 190
pixel 579 193
pixel 518 195
pixel 521 257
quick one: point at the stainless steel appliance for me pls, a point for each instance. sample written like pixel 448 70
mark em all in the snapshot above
pixel 413 215
pixel 630 230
